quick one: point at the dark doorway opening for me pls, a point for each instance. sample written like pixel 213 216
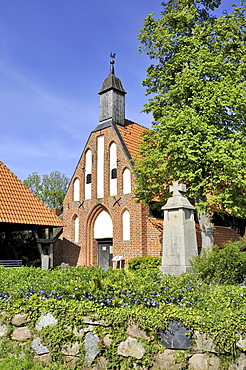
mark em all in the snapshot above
pixel 105 253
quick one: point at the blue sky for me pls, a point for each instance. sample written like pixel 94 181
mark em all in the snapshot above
pixel 54 55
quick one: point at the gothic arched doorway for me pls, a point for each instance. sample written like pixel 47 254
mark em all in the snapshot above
pixel 103 234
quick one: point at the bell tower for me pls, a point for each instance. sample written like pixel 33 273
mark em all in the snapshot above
pixel 112 98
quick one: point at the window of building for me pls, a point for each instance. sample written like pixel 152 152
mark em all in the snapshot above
pixel 76 229
pixel 88 168
pixel 88 178
pixel 113 169
pixel 76 186
pixel 114 173
pixel 126 225
pixel 127 181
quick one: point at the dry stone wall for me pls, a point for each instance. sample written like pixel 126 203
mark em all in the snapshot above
pixel 85 345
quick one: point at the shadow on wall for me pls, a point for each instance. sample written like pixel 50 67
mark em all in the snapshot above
pixel 67 252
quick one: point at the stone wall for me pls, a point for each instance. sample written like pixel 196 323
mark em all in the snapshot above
pixel 20 335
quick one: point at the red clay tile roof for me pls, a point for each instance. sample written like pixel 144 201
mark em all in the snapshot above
pixel 19 205
pixel 221 234
pixel 131 135
pixel 156 222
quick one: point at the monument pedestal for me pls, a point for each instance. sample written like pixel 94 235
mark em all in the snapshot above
pixel 179 236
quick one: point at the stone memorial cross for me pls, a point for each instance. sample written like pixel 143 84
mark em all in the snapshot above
pixel 176 188
pixel 179 234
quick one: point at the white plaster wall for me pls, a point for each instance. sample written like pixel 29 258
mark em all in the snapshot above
pixel 100 166
pixel 113 164
pixel 126 225
pixel 103 227
pixel 127 181
pixel 88 169
pixel 76 186
pixel 76 230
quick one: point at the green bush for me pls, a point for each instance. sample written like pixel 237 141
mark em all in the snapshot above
pixel 222 265
pixel 144 263
pixel 28 363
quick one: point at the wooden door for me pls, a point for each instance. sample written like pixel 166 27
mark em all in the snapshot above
pixel 105 254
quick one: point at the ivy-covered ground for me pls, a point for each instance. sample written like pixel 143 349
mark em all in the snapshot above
pixel 148 297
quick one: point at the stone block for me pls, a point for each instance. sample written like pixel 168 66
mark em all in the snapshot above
pixel 107 340
pixel 38 347
pixel 203 343
pixel 3 330
pixel 78 333
pixel 44 358
pixel 101 364
pixel 134 331
pixel 20 319
pixel 240 363
pixel 166 361
pixel 241 343
pixel 71 350
pixel 131 347
pixel 175 336
pixel 91 346
pixel 203 361
pixel 21 334
pixel 45 320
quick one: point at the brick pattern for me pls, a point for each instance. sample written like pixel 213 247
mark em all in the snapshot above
pixel 146 231
pixel 144 236
pixel 19 205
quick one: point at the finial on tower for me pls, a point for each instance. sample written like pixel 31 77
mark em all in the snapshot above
pixel 112 55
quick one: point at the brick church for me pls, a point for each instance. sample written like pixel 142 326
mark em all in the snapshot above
pixel 100 211
pixel 104 225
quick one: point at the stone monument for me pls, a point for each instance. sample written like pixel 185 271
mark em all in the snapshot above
pixel 179 235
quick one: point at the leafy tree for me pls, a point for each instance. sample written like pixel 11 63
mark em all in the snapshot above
pixel 51 188
pixel 197 95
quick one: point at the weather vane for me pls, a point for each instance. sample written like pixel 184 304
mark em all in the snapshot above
pixel 112 55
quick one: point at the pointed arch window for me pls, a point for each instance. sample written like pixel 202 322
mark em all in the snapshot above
pixel 126 226
pixel 127 189
pixel 113 169
pixel 76 186
pixel 76 229
pixel 88 168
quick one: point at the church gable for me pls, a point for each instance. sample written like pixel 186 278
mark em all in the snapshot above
pixel 102 189
pixel 103 170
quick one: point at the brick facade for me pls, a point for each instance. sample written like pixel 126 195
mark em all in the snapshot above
pixel 144 236
pixel 80 247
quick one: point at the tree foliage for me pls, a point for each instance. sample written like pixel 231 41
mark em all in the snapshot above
pixel 197 95
pixel 51 188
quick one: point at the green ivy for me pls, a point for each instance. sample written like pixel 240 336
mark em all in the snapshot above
pixel 217 310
